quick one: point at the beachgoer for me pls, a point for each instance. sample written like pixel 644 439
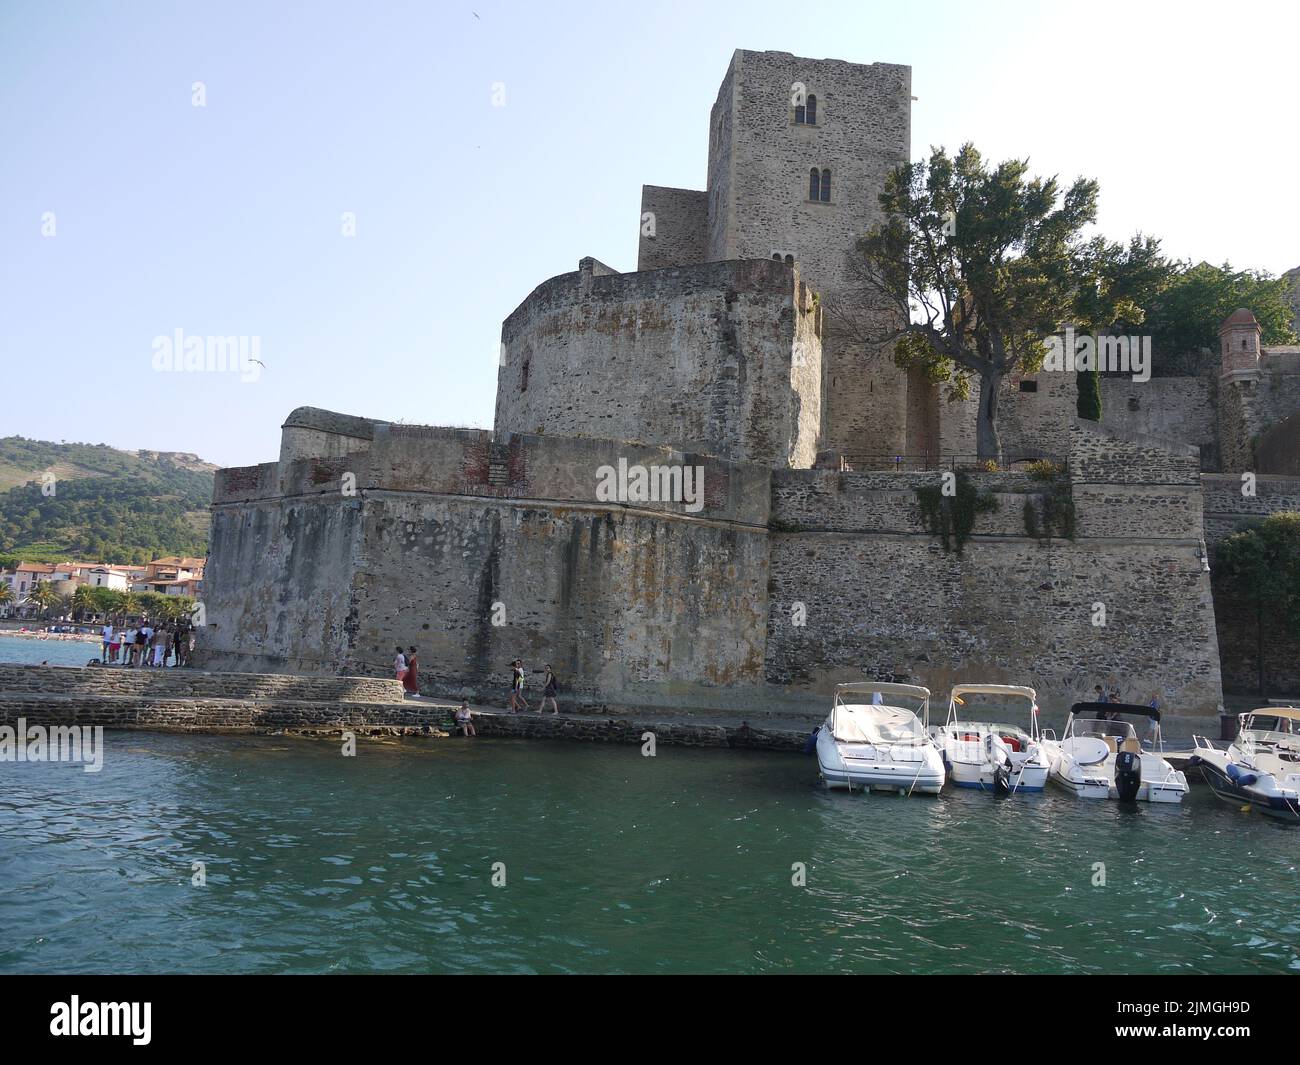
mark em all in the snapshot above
pixel 399 665
pixel 106 642
pixel 411 682
pixel 517 687
pixel 549 687
pixel 464 718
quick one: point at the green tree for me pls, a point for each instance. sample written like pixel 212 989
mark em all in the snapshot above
pixel 1259 570
pixel 6 594
pixel 979 265
pixel 83 602
pixel 45 597
pixel 1183 320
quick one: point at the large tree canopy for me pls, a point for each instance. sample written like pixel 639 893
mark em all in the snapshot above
pixel 982 264
pixel 1184 319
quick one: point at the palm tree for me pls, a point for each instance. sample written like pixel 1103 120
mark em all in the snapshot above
pixel 129 604
pixel 83 602
pixel 44 596
pixel 6 594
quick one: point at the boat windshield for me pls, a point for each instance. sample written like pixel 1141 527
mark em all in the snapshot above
pixel 877 724
pixel 1114 727
pixel 1263 721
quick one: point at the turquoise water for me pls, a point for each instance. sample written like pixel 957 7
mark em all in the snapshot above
pixel 56 652
pixel 612 862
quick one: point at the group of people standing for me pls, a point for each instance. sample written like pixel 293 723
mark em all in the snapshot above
pixel 406 666
pixel 146 646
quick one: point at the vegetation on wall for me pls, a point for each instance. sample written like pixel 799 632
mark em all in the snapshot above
pixel 952 517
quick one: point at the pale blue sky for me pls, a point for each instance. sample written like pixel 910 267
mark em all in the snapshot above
pixel 226 219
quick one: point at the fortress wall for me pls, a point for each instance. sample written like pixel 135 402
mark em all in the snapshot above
pixel 1175 408
pixel 1004 612
pixel 681 228
pixel 628 607
pixel 1227 510
pixel 1030 424
pixel 279 585
pixel 473 462
pixel 310 432
pixel 887 502
pixel 1248 408
pixel 695 357
pixel 882 596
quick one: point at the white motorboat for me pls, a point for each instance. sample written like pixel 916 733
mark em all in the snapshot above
pixel 1261 767
pixel 981 750
pixel 876 739
pixel 1099 755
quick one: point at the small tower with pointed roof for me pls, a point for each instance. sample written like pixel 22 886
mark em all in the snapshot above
pixel 1239 337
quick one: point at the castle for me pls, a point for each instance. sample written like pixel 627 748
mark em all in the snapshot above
pixel 806 558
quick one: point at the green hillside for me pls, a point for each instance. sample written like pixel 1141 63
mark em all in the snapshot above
pixel 107 505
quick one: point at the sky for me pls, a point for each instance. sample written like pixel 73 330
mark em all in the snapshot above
pixel 480 148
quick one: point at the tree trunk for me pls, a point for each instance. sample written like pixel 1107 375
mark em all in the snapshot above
pixel 986 425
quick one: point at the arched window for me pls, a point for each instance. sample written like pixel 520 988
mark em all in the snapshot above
pixel 799 115
pixel 789 260
pixel 814 183
pixel 812 111
pixel 826 186
pixel 777 256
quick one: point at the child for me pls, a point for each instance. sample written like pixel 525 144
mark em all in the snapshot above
pixel 399 665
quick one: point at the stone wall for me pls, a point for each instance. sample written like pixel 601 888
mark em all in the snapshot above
pixel 479 549
pixel 1228 510
pixel 681 228
pixel 718 357
pixel 759 204
pixel 1252 403
pixel 883 598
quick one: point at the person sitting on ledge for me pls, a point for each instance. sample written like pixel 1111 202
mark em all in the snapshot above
pixel 464 718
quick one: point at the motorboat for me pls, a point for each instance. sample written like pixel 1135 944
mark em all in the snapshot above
pixel 1100 756
pixel 1261 767
pixel 875 738
pixel 982 750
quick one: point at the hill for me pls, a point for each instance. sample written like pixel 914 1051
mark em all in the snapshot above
pixel 102 504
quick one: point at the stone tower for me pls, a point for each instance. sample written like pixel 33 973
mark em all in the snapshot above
pixel 798 153
pixel 1239 343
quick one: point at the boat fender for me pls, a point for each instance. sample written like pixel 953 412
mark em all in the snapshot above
pixel 1239 777
pixel 1128 775
pixel 810 744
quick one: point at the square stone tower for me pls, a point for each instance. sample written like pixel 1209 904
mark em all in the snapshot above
pixel 798 154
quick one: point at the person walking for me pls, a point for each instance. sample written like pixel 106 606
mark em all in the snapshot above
pixel 411 682
pixel 517 699
pixel 549 687
pixel 399 665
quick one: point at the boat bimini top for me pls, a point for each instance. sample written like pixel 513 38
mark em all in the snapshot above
pixel 885 721
pixel 1285 719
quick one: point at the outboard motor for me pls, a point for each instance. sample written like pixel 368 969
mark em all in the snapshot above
pixel 1002 767
pixel 1128 775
